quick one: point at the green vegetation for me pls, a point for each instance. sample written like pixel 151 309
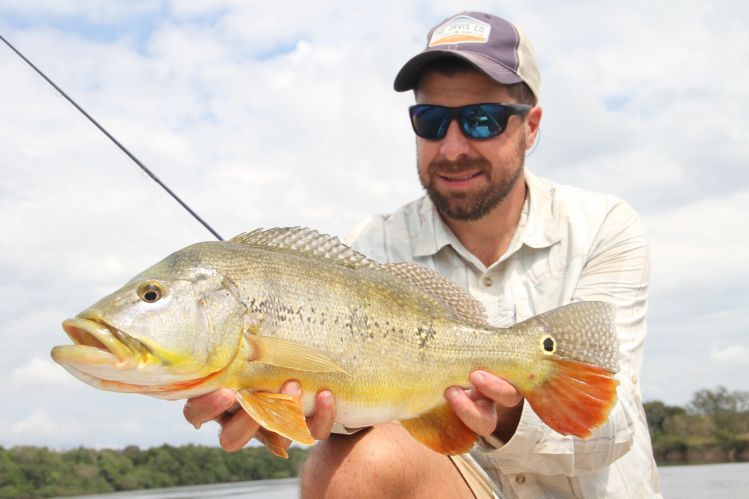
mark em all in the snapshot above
pixel 28 472
pixel 713 427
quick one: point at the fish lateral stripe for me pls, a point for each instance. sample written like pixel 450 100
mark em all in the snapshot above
pixel 575 399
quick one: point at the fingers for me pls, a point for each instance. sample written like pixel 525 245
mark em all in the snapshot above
pixel 237 427
pixel 236 430
pixel 322 422
pixel 480 408
pixel 208 407
pixel 495 388
pixel 479 415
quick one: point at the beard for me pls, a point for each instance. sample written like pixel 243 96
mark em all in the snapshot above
pixel 467 206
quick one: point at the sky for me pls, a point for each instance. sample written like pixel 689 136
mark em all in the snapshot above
pixel 261 115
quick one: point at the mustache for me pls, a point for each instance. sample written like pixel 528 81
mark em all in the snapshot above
pixel 461 164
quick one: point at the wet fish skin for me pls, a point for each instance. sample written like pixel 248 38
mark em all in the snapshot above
pixel 268 306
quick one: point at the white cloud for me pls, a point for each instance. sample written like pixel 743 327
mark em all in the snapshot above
pixel 87 9
pixel 701 246
pixel 40 423
pixel 41 374
pixel 732 354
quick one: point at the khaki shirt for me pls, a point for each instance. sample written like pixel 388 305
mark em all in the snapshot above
pixel 570 245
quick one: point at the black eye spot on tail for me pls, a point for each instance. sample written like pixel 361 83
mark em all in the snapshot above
pixel 549 345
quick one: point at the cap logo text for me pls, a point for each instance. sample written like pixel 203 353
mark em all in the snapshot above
pixel 461 29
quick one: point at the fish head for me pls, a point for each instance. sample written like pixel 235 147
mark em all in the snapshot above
pixel 171 328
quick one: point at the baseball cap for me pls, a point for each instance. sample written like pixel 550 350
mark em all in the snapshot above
pixel 494 45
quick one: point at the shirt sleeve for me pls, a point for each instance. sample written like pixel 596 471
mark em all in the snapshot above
pixel 615 270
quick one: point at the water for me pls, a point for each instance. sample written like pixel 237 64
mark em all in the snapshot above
pixel 286 488
pixel 729 481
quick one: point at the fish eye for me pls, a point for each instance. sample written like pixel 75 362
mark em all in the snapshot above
pixel 150 292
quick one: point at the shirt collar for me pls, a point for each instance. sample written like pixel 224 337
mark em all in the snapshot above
pixel 542 229
pixel 432 234
pixel 537 227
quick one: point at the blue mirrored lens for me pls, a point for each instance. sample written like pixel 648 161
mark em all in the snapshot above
pixel 477 121
pixel 430 121
pixel 482 121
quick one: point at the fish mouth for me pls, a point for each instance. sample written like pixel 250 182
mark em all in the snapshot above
pixel 102 339
pixel 104 352
pixel 107 358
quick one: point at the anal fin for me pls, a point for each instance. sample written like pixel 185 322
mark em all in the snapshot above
pixel 442 431
pixel 278 413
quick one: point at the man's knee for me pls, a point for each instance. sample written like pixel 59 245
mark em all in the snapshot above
pixel 383 461
pixel 353 465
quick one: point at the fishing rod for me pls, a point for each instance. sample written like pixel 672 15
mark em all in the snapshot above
pixel 115 141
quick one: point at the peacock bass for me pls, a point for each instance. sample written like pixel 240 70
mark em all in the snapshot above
pixel 386 339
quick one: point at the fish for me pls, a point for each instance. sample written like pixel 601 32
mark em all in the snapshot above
pixel 276 304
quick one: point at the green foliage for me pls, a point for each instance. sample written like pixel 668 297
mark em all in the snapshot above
pixel 659 414
pixel 728 412
pixel 665 444
pixel 30 472
pixel 714 419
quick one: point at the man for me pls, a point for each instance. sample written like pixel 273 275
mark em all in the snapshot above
pixel 520 244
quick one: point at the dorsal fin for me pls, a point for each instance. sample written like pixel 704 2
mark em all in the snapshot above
pixel 311 243
pixel 458 300
pixel 306 242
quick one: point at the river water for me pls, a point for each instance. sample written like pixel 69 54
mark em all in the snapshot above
pixel 727 480
pixel 724 481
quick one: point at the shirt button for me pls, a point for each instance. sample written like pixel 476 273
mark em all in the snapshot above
pixel 634 379
pixel 487 281
pixel 520 479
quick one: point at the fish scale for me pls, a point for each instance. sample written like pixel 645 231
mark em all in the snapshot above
pixel 387 340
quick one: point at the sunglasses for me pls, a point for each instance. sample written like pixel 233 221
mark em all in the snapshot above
pixel 477 121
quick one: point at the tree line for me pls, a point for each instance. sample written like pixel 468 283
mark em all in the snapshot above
pixel 30 472
pixel 713 426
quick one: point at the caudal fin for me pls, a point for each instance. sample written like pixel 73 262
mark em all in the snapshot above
pixel 576 399
pixel 578 348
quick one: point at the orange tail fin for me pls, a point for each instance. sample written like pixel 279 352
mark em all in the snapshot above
pixel 575 399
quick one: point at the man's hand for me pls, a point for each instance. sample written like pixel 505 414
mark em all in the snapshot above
pixel 238 428
pixel 492 406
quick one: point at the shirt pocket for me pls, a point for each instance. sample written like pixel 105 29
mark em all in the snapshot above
pixel 538 282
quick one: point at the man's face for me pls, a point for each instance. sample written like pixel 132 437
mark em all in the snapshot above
pixel 465 178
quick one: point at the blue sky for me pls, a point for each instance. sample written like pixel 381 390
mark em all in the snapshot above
pixel 265 116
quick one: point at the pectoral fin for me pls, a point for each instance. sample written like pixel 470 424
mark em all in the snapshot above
pixel 278 413
pixel 442 431
pixel 290 354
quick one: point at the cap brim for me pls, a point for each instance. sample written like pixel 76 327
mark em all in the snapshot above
pixel 408 77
